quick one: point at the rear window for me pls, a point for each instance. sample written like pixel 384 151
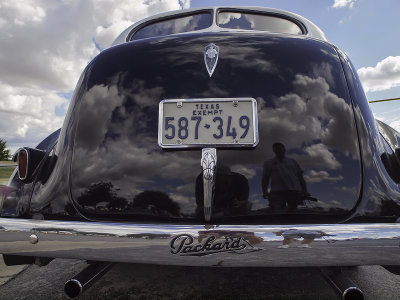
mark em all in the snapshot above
pixel 251 21
pixel 177 25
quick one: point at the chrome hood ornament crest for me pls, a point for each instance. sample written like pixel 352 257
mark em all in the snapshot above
pixel 211 53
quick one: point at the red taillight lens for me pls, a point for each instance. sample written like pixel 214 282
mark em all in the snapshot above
pixel 22 164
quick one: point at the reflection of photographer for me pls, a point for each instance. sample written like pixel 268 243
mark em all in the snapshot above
pixel 231 194
pixel 288 187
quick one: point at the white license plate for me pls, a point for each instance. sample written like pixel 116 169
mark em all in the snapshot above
pixel 224 122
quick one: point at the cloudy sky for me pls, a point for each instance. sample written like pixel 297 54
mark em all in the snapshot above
pixel 45 45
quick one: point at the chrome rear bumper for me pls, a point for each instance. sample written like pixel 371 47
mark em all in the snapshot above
pixel 225 245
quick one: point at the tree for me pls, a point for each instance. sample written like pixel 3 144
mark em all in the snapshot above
pixel 4 152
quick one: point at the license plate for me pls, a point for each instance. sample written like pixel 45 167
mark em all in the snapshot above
pixel 224 122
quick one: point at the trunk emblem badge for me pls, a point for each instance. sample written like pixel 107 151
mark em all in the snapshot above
pixel 211 53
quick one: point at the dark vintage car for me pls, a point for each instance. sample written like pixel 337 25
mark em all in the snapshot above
pixel 203 134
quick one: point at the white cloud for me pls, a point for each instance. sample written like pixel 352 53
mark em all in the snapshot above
pixel 245 171
pixel 346 189
pixel 21 12
pixel 385 75
pixel 395 125
pixel 344 3
pixel 45 46
pixel 389 116
pixel 317 176
pixel 319 154
pixel 117 15
pixel 28 115
pixel 309 113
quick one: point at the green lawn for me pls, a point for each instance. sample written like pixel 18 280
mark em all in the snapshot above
pixel 7 162
pixel 5 174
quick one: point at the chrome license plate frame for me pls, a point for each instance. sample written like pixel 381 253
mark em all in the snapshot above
pixel 233 120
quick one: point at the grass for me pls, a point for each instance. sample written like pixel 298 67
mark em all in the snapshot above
pixel 5 173
pixel 7 162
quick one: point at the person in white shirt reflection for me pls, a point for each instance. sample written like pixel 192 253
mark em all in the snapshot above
pixel 285 178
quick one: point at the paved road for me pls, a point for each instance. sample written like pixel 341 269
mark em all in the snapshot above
pixel 135 281
pixel 8 165
pixel 9 272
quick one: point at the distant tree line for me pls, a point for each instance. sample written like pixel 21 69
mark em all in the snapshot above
pixel 4 152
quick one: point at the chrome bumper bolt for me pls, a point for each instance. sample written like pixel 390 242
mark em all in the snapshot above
pixel 33 239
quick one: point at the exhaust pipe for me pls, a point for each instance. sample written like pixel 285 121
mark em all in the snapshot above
pixel 79 283
pixel 342 284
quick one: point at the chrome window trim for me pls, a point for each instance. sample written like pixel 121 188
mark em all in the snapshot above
pixel 132 33
pixel 313 30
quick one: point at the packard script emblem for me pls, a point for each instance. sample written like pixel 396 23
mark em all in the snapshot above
pixel 211 57
pixel 187 245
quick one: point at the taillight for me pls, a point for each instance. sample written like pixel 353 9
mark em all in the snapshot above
pixel 28 160
pixel 23 163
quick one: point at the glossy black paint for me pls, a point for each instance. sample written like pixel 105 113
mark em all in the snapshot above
pixel 109 165
pixel 116 153
pixel 18 196
pixel 380 194
pixel 48 143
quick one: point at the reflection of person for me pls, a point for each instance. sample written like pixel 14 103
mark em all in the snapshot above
pixel 231 194
pixel 286 178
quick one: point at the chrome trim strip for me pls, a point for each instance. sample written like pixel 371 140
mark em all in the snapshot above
pixel 339 245
pixel 209 166
pixel 177 146
pixel 136 27
pixel 313 30
pixel 255 118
